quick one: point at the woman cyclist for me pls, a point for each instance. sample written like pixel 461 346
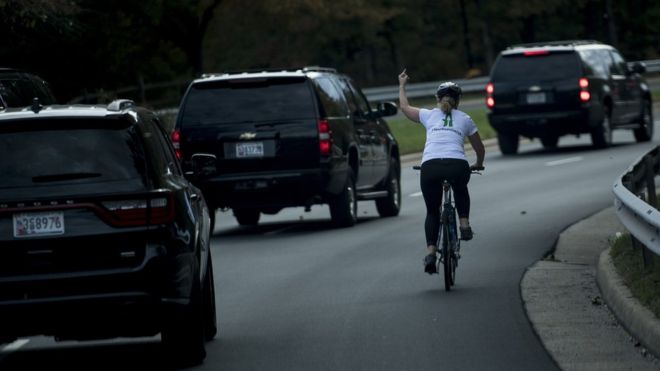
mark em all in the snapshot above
pixel 444 159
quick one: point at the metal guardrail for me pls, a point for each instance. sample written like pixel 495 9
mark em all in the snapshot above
pixel 640 217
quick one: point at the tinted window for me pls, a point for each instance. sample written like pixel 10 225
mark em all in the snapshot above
pixel 55 153
pixel 233 101
pixel 540 67
pixel 596 62
pixel 16 92
pixel 360 100
pixel 331 99
pixel 619 66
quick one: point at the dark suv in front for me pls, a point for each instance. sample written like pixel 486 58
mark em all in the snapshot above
pixel 547 90
pixel 19 88
pixel 257 142
pixel 101 235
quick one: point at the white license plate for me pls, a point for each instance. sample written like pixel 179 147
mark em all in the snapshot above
pixel 38 224
pixel 535 98
pixel 249 149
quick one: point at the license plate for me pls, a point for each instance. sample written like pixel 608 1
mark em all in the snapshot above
pixel 535 98
pixel 38 224
pixel 249 149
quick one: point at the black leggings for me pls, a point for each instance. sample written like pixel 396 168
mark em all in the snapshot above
pixel 457 172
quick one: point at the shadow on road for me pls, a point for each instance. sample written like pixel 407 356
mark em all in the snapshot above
pixel 287 227
pixel 81 356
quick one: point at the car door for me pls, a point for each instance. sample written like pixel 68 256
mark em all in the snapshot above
pixel 377 137
pixel 362 128
pixel 627 89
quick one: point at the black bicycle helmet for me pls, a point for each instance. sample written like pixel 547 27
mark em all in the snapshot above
pixel 449 88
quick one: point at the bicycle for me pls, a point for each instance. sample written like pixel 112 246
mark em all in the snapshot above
pixel 449 245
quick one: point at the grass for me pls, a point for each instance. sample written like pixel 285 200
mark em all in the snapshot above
pixel 644 283
pixel 411 136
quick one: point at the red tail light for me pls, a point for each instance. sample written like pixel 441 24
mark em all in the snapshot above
pixel 533 53
pixel 490 101
pixel 176 143
pixel 584 90
pixel 325 138
pixel 153 209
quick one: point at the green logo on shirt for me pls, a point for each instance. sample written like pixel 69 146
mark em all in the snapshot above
pixel 447 122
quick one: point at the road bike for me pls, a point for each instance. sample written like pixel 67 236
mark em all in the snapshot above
pixel 449 244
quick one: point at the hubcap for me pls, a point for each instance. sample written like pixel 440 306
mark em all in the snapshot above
pixel 352 203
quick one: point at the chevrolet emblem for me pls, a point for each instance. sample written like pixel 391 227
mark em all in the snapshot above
pixel 248 135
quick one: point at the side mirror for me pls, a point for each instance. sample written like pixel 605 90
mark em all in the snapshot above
pixel 638 67
pixel 387 108
pixel 203 164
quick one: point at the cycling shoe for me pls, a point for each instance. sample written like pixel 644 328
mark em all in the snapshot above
pixel 429 264
pixel 466 233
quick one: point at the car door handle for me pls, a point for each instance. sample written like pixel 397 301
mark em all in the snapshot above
pixel 194 197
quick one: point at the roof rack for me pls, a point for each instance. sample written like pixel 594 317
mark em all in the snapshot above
pixel 120 105
pixel 554 43
pixel 273 69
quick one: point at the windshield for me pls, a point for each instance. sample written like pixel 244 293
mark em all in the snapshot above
pixel 554 66
pixel 254 100
pixel 57 153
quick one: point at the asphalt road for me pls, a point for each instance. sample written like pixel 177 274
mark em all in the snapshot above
pixel 296 294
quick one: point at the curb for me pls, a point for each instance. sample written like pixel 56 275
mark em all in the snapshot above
pixel 637 319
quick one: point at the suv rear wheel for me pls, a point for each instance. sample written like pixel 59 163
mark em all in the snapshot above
pixel 390 205
pixel 645 131
pixel 183 333
pixel 508 143
pixel 247 216
pixel 601 135
pixel 343 207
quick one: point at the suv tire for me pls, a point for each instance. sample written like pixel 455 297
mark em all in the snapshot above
pixel 645 132
pixel 601 135
pixel 247 217
pixel 208 289
pixel 508 143
pixel 391 205
pixel 343 207
pixel 183 330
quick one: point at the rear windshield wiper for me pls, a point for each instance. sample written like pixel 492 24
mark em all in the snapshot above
pixel 65 176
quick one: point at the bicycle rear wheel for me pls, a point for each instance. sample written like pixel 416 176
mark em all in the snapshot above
pixel 447 258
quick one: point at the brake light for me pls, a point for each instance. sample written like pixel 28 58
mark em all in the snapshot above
pixel 176 143
pixel 490 101
pixel 325 138
pixel 532 53
pixel 584 90
pixel 141 211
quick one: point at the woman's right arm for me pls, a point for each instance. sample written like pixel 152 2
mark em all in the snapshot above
pixel 412 113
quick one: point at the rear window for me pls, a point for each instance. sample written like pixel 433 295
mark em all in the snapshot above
pixel 254 100
pixel 553 66
pixel 57 153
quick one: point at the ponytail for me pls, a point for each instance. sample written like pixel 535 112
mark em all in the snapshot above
pixel 447 104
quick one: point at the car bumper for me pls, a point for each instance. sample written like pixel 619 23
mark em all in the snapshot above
pixel 271 189
pixel 542 124
pixel 96 304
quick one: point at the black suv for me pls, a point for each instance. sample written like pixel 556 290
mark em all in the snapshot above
pixel 546 90
pixel 101 234
pixel 18 89
pixel 257 142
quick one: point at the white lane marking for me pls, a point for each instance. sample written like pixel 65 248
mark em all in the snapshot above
pixel 564 161
pixel 416 194
pixel 15 345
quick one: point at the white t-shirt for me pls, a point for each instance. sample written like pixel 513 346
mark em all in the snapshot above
pixel 445 134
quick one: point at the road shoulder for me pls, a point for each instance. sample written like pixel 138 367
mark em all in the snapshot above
pixel 564 304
